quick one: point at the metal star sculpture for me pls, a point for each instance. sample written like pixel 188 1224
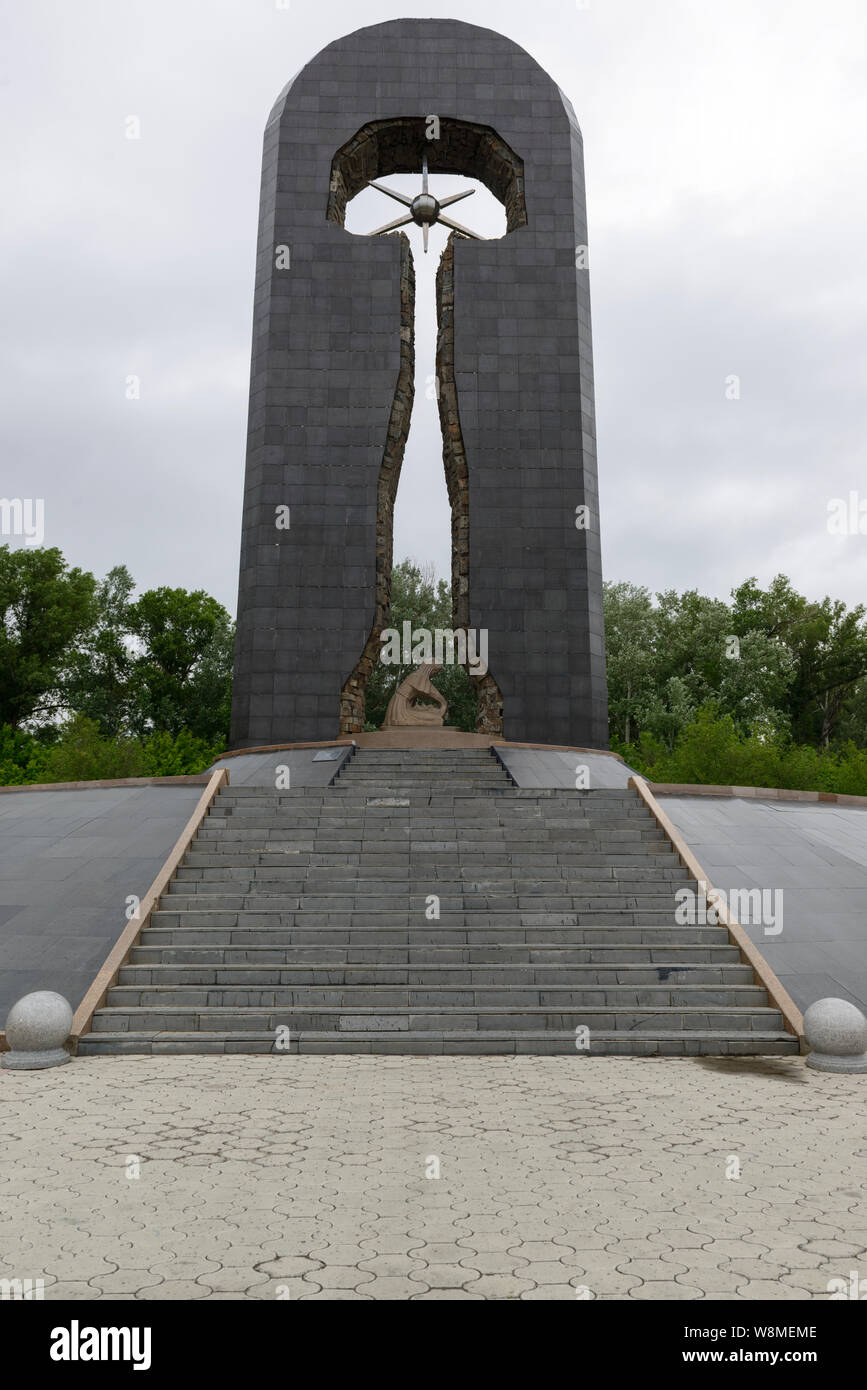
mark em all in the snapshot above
pixel 424 209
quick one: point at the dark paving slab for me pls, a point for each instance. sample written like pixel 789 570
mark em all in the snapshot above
pixel 68 861
pixel 816 855
pixel 307 767
pixel 541 767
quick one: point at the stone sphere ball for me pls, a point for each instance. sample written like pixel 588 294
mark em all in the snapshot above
pixel 837 1027
pixel 38 1022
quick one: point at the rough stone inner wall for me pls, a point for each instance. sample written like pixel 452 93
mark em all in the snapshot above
pixel 489 719
pixel 379 149
pixel 394 147
pixel 352 697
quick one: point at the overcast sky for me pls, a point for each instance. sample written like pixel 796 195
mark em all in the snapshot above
pixel 726 154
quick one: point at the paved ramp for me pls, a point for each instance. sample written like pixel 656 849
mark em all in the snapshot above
pixel 817 855
pixel 68 861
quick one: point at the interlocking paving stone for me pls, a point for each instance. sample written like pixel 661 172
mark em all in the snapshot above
pixel 258 1185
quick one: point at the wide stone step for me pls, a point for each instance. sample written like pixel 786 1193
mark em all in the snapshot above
pixel 476 826
pixel 447 975
pixel 485 812
pixel 367 828
pixel 441 795
pixel 347 864
pixel 371 828
pixel 405 848
pixel 593 802
pixel 345 1018
pixel 641 855
pixel 376 996
pixel 520 804
pixel 485 899
pixel 655 879
pixel 626 909
pixel 415 905
pixel 580 865
pixel 406 883
pixel 407 892
pixel 278 927
pixel 594 957
pixel 605 1043
pixel 422 776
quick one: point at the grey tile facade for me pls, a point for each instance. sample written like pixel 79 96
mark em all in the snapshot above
pixel 326 357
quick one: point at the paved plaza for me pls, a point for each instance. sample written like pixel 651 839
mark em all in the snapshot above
pixel 303 1177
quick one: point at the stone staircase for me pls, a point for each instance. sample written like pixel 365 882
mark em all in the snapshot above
pixel 306 920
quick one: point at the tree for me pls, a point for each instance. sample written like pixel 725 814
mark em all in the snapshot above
pixel 828 646
pixel 100 685
pixel 835 660
pixel 630 641
pixel 755 684
pixel 666 660
pixel 182 672
pixel 44 608
pixel 667 713
pixel 691 633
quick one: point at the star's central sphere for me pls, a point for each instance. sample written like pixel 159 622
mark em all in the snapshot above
pixel 425 209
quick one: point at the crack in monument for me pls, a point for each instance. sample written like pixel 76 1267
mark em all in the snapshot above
pixel 489 717
pixel 394 146
pixel 377 150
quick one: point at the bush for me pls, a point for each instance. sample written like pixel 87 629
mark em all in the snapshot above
pixel 165 756
pixel 21 757
pixel 82 754
pixel 710 751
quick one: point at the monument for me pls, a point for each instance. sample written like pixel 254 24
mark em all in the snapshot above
pixel 332 389
pixel 416 702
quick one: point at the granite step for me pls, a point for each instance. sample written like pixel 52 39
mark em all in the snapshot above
pixel 656 1042
pixel 442 1017
pixel 301 914
pixel 375 995
pixel 459 928
pixel 491 955
pixel 439 973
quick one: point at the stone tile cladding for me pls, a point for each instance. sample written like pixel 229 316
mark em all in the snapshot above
pixel 329 360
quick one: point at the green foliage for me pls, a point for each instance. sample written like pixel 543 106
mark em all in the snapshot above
pixel 72 646
pixel 771 659
pixel 828 647
pixel 425 602
pixel 711 751
pixel 165 756
pixel 22 757
pixel 100 682
pixel 184 671
pixel 44 607
pixel 82 753
pixel 96 686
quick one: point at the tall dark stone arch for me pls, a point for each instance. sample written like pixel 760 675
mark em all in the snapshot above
pixel 331 389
